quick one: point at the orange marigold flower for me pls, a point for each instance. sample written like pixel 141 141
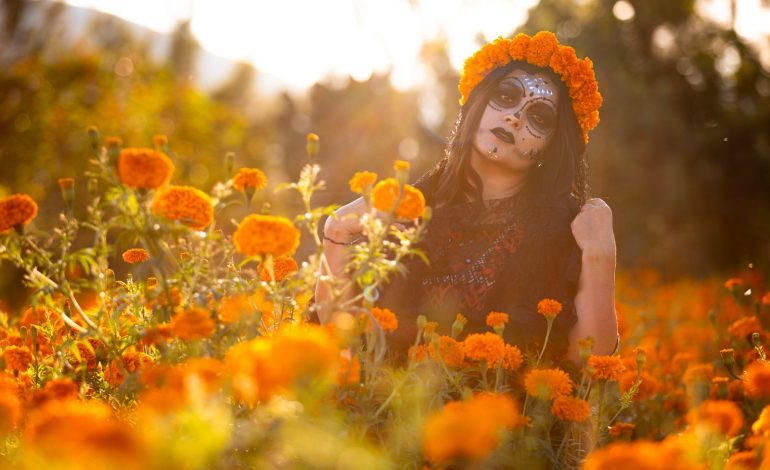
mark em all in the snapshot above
pixel 386 192
pixel 734 283
pixel 744 327
pixel 549 308
pixel 512 359
pixel 495 319
pixel 160 140
pixel 188 205
pixel 234 307
pixel 622 429
pixel 445 436
pixel 362 179
pixel 744 460
pixel 259 235
pixel 133 361
pixel 756 379
pixel 723 415
pixel 192 323
pixel 698 373
pixel 16 210
pixel 100 440
pixel 386 319
pixel 487 347
pixel 10 411
pixel 142 168
pixel 401 165
pixel 648 387
pixel 548 383
pixel 17 358
pixel 349 372
pixel 766 299
pixel 62 388
pixel 249 178
pixel 568 408
pixel 606 367
pixel 282 267
pixel 638 455
pixel 135 255
pixel 66 183
pixel 762 425
pixel 452 351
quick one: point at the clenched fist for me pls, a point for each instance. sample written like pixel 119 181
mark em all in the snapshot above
pixel 592 229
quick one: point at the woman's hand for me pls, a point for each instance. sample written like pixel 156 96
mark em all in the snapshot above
pixel 592 229
pixel 346 225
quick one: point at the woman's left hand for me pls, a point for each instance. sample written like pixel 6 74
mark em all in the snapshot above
pixel 592 229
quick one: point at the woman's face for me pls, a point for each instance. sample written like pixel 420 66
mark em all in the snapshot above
pixel 519 120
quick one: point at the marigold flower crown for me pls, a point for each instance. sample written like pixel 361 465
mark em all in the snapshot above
pixel 541 50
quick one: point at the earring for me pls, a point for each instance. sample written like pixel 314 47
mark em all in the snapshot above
pixel 539 164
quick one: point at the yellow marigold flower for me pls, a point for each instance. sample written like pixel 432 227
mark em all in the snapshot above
pixel 192 323
pixel 99 440
pixel 401 165
pixel 16 210
pixel 258 235
pixel 311 137
pixel 495 319
pixel 386 319
pixel 445 436
pixel 188 205
pixel 548 383
pixel 621 429
pixel 487 347
pixel 135 255
pixel 512 359
pixel 723 415
pixel 385 194
pixel 17 358
pixel 249 178
pixel 549 308
pixel 142 168
pixel 282 267
pixel 568 408
pixel 762 425
pixel 744 327
pixel 606 367
pixel 361 180
pixel 756 379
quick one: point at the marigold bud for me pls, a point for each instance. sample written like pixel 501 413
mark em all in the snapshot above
pixel 458 325
pixel 312 145
pixel 728 357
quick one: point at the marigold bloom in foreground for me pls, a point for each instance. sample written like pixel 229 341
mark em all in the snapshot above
pixel 135 255
pixel 188 205
pixel 606 367
pixel 17 358
pixel 385 194
pixel 568 408
pixel 638 455
pixel 361 180
pixel 10 411
pixel 252 178
pixel 756 379
pixel 192 323
pixel 144 168
pixel 549 308
pixel 745 326
pixel 82 433
pixel 487 347
pixel 16 210
pixel 548 383
pixel 259 235
pixel 386 319
pixel 445 434
pixel 722 415
pixel 282 267
pixel 497 319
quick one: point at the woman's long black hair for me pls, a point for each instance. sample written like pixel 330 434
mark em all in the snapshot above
pixel 564 170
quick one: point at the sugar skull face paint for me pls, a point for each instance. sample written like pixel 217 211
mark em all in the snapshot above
pixel 520 118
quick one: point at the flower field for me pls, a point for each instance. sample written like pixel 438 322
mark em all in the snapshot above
pixel 204 353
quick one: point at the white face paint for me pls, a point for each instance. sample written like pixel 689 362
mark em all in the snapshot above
pixel 520 119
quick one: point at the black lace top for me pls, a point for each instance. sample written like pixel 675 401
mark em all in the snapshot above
pixel 498 255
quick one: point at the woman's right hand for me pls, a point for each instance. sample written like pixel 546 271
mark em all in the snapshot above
pixel 347 224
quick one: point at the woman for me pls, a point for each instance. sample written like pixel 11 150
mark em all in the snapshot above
pixel 512 222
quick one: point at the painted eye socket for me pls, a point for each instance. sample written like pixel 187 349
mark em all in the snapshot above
pixel 507 96
pixel 542 118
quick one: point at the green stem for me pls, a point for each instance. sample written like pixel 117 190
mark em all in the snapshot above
pixel 545 343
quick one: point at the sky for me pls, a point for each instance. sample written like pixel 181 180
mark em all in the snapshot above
pixel 299 42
